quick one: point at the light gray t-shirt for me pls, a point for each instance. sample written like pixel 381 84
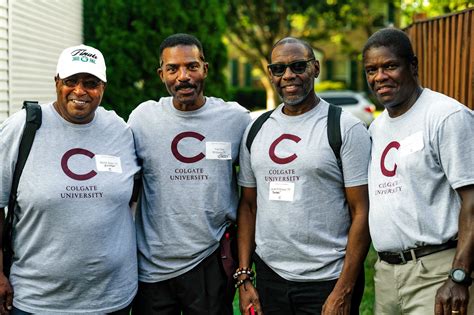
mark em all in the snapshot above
pixel 418 160
pixel 190 190
pixel 302 214
pixel 74 239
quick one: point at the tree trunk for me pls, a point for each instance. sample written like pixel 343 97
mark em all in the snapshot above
pixel 272 96
pixel 271 104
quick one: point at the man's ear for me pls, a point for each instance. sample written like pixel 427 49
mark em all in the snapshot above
pixel 56 81
pixel 414 66
pixel 316 68
pixel 159 71
pixel 206 69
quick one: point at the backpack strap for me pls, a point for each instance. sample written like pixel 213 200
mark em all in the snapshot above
pixel 33 123
pixel 256 126
pixel 334 132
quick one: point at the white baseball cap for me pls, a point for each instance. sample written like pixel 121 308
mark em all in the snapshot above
pixel 81 59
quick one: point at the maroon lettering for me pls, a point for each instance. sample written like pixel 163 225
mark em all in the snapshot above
pixel 385 171
pixel 179 156
pixel 71 174
pixel 283 160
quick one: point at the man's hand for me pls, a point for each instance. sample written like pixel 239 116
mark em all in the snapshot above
pixel 337 303
pixel 6 295
pixel 452 299
pixel 248 297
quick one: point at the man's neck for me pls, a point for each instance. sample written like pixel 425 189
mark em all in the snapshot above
pixel 401 109
pixel 185 107
pixel 294 110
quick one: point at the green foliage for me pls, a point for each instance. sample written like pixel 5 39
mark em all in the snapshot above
pixel 129 32
pixel 255 26
pixel 248 97
pixel 432 8
pixel 330 85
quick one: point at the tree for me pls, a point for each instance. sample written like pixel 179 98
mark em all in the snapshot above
pixel 129 32
pixel 254 27
pixel 431 8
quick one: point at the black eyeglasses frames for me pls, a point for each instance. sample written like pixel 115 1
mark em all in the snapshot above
pixel 297 67
pixel 88 84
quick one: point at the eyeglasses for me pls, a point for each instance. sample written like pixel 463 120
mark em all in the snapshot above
pixel 88 84
pixel 297 67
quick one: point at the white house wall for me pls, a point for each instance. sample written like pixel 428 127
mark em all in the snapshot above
pixel 3 59
pixel 38 31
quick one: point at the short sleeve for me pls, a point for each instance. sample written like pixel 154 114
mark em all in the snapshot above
pixel 10 136
pixel 246 177
pixel 455 145
pixel 355 155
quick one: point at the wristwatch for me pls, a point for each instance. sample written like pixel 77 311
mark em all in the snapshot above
pixel 459 276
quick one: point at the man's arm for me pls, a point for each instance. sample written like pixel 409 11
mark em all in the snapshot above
pixel 246 218
pixel 452 296
pixel 358 242
pixel 6 291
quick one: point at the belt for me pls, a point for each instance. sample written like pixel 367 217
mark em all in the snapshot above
pixel 400 258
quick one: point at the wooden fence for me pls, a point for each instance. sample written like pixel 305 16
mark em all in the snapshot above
pixel 445 49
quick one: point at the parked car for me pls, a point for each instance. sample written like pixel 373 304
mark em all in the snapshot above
pixel 353 102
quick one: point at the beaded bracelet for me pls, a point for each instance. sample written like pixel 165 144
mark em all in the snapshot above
pixel 244 271
pixel 240 282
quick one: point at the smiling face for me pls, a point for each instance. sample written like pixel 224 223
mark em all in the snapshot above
pixel 183 72
pixel 392 79
pixel 295 89
pixel 77 102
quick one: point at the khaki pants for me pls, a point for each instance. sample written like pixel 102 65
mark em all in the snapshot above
pixel 411 288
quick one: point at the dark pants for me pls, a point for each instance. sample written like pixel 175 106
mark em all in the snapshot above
pixel 280 296
pixel 124 311
pixel 198 291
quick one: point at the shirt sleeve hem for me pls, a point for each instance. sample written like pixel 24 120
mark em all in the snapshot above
pixel 356 183
pixel 461 184
pixel 247 184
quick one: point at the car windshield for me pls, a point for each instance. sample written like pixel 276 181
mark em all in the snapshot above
pixel 339 100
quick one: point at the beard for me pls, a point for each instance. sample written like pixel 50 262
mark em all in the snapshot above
pixel 296 100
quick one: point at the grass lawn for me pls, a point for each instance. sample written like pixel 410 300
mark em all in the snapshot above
pixel 366 307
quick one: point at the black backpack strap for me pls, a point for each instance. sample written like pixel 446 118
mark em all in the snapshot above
pixel 33 123
pixel 334 132
pixel 256 126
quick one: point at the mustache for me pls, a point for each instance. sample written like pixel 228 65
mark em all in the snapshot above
pixel 185 86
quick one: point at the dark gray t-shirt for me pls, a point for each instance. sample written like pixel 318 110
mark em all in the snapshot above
pixel 302 214
pixel 190 190
pixel 74 239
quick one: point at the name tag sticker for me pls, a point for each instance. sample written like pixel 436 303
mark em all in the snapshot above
pixel 412 144
pixel 281 191
pixel 218 151
pixel 108 163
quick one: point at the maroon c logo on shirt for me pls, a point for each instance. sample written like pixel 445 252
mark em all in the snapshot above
pixel 179 156
pixel 284 160
pixel 70 173
pixel 385 171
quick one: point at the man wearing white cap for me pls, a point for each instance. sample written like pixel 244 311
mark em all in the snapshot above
pixel 73 234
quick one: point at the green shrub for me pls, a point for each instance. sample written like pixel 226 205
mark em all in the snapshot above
pixel 248 97
pixel 329 85
pixel 129 33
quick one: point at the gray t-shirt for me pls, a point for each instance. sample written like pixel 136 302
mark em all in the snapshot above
pixel 74 239
pixel 190 190
pixel 418 160
pixel 302 215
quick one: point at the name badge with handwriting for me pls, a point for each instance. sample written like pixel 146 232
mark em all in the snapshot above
pixel 108 163
pixel 218 151
pixel 281 191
